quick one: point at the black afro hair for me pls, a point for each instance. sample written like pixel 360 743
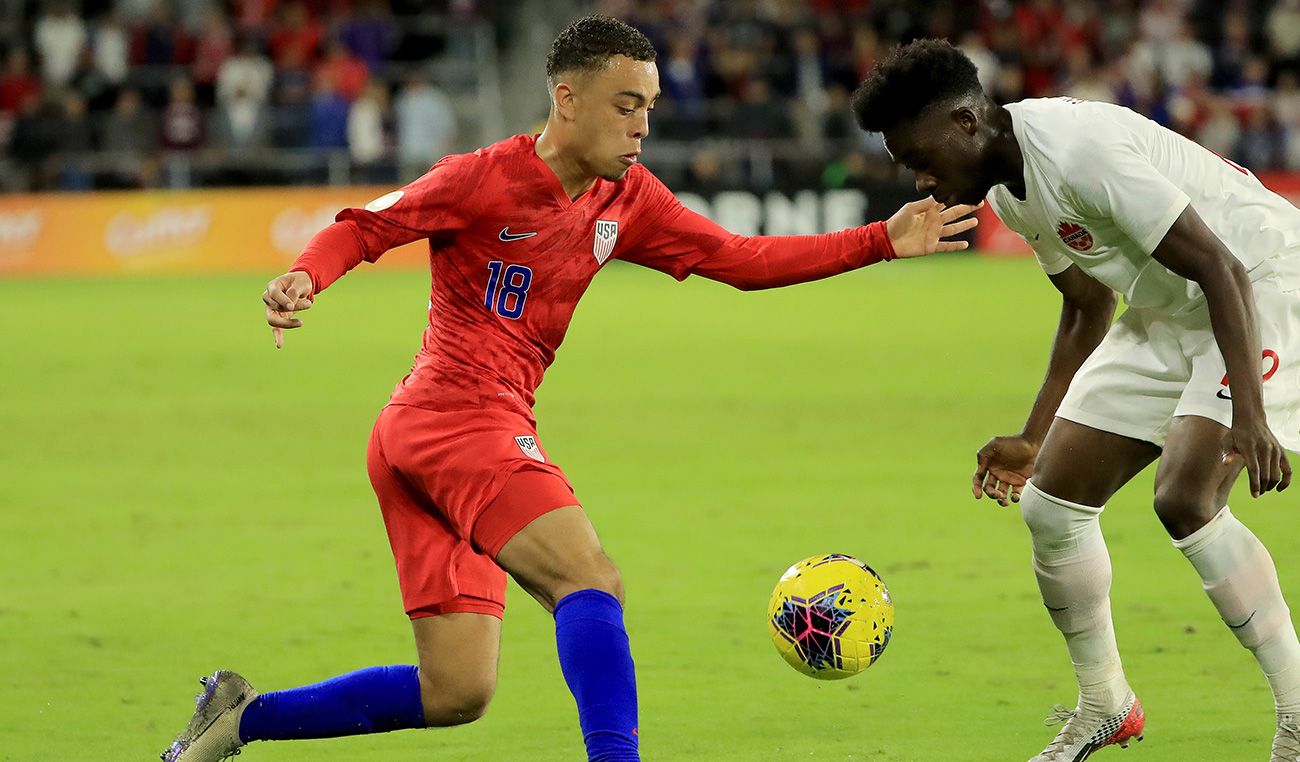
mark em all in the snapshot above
pixel 909 79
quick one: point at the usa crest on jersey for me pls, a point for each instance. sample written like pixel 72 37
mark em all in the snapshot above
pixel 606 235
pixel 528 446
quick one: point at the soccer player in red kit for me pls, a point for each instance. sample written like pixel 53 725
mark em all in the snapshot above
pixel 516 233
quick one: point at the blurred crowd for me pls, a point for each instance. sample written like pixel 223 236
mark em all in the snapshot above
pixel 100 93
pixel 1222 72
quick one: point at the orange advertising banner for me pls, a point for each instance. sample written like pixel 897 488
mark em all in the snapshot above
pixel 174 231
pixel 242 230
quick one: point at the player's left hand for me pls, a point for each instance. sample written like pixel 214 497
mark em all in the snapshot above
pixel 1002 468
pixel 921 227
pixel 284 296
pixel 1251 440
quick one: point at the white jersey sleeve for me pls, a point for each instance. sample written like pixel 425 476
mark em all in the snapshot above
pixel 1111 179
pixel 1052 262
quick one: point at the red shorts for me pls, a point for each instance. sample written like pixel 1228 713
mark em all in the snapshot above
pixel 454 487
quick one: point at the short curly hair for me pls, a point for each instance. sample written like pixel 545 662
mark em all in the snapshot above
pixel 909 79
pixel 587 44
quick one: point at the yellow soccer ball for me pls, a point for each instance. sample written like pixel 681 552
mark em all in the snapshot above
pixel 830 616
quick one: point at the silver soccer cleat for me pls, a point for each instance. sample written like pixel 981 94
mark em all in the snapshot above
pixel 1286 743
pixel 1083 734
pixel 213 732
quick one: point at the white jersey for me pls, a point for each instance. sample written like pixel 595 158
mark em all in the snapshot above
pixel 1104 185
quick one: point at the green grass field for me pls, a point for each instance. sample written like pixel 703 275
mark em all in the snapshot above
pixel 176 496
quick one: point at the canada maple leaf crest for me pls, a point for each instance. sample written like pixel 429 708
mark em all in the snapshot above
pixel 1075 236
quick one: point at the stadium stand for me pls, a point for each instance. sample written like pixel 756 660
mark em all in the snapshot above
pixel 103 94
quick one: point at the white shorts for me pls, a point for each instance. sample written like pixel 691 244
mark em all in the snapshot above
pixel 1153 368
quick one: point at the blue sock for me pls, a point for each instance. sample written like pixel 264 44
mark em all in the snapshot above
pixel 597 665
pixel 370 700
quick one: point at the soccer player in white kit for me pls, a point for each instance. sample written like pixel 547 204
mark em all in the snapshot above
pixel 1208 262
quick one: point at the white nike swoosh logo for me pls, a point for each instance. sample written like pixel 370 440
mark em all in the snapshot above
pixel 506 235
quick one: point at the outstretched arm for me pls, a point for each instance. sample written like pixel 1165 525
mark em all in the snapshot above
pixel 1191 250
pixel 758 262
pixel 1006 463
pixel 681 242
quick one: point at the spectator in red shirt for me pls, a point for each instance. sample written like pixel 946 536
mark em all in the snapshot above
pixel 296 33
pixel 1039 24
pixel 18 82
pixel 346 71
pixel 252 15
pixel 214 45
pixel 866 48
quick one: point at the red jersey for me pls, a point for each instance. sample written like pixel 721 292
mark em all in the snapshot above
pixel 511 254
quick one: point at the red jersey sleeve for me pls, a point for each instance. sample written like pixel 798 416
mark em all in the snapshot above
pixel 679 242
pixel 436 205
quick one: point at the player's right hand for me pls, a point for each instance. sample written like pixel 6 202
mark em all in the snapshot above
pixel 925 227
pixel 1251 441
pixel 1002 467
pixel 284 296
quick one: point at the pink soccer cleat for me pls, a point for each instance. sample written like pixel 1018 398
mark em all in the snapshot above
pixel 1083 734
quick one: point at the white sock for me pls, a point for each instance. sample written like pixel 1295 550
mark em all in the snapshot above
pixel 1073 569
pixel 1239 576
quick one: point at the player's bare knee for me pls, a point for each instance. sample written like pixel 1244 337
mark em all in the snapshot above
pixel 1184 508
pixel 1070 487
pixel 613 583
pixel 454 701
pixel 594 572
pixel 466 707
pixel 464 710
pixel 605 576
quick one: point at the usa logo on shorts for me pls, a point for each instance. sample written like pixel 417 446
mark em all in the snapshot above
pixel 1074 236
pixel 528 445
pixel 606 235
